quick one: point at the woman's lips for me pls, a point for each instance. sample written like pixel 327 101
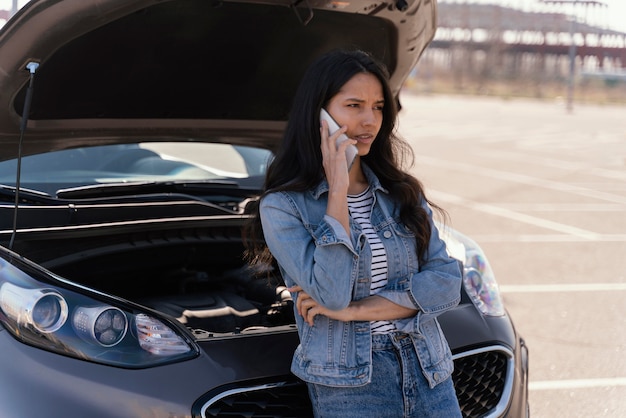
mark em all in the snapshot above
pixel 364 139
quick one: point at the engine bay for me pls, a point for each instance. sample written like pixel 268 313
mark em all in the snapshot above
pixel 195 273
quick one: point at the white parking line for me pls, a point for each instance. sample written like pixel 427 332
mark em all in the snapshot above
pixel 522 179
pixel 574 287
pixel 552 162
pixel 564 207
pixel 516 216
pixel 491 238
pixel 577 383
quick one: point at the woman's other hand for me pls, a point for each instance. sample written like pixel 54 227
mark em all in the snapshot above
pixel 371 308
pixel 308 308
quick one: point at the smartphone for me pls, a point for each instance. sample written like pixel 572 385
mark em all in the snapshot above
pixel 351 151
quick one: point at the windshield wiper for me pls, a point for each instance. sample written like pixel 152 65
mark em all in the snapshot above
pixel 151 187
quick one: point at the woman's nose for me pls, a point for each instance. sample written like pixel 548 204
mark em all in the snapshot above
pixel 369 117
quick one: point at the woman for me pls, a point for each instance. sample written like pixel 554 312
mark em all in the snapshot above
pixel 359 251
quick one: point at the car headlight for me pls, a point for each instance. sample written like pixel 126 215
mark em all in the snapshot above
pixel 103 324
pixel 43 311
pixel 478 278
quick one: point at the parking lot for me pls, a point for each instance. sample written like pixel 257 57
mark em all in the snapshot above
pixel 544 193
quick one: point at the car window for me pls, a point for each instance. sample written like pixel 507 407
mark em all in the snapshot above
pixel 148 161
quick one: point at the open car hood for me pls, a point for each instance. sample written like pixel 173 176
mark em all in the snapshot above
pixel 113 71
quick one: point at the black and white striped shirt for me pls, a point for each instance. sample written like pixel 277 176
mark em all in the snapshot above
pixel 361 209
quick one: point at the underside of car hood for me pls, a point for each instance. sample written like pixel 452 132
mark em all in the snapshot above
pixel 112 71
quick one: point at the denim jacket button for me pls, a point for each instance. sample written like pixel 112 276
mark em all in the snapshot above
pixel 387 234
pixel 436 376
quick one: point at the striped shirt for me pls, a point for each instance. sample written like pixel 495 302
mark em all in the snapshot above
pixel 361 209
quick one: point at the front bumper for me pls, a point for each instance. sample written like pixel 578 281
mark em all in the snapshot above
pixel 244 374
pixel 39 383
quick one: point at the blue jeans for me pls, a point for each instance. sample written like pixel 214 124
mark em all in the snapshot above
pixel 397 390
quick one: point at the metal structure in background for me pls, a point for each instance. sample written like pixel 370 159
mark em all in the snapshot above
pixel 572 47
pixel 6 14
pixel 542 38
pixel 540 32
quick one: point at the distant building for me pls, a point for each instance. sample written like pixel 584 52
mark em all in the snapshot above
pixel 516 35
pixel 495 50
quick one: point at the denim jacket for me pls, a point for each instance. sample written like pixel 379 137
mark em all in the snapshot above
pixel 314 251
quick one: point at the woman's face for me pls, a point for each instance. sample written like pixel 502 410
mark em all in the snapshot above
pixel 359 106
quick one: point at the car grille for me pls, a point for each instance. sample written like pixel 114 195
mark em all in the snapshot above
pixel 481 378
pixel 284 399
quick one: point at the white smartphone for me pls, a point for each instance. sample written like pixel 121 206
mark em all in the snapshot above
pixel 351 151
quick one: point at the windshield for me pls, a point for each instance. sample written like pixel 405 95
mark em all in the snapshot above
pixel 139 162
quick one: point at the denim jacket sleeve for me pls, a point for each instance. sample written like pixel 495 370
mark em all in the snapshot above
pixel 432 290
pixel 314 252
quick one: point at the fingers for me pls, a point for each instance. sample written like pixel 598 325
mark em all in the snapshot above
pixel 310 315
pixel 324 135
pixel 308 310
pixel 304 303
pixel 329 141
pixel 306 306
pixel 301 296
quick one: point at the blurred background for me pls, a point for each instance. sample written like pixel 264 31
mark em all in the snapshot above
pixel 574 50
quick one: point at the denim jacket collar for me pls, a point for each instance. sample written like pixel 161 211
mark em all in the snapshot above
pixel 372 180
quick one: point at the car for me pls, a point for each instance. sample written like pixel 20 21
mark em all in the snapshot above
pixel 134 138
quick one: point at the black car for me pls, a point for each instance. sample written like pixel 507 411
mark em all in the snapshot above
pixel 134 135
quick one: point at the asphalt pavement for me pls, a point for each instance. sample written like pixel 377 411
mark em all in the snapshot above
pixel 543 191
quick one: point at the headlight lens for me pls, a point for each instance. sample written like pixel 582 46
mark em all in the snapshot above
pixel 157 338
pixel 42 309
pixel 83 325
pixel 103 325
pixel 480 283
pixel 478 278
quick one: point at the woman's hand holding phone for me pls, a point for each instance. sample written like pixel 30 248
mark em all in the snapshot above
pixel 334 147
pixel 336 169
pixel 333 127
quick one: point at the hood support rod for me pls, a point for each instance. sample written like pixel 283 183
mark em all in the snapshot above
pixel 32 68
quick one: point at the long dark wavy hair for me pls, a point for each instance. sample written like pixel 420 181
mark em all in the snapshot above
pixel 297 165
